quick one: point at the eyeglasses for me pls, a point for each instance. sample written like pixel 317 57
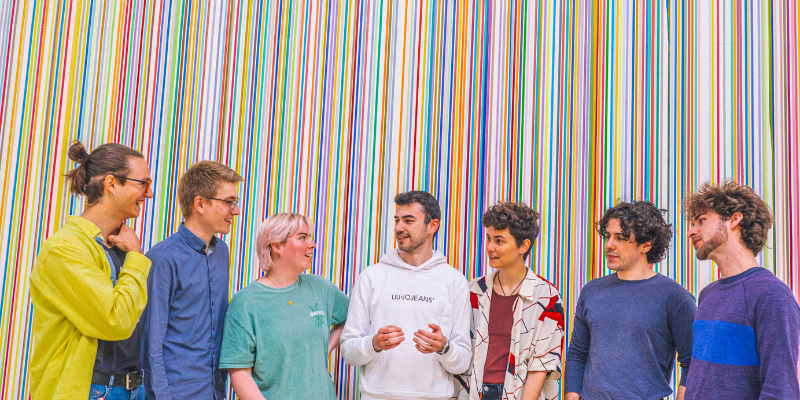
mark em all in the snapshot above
pixel 145 184
pixel 231 203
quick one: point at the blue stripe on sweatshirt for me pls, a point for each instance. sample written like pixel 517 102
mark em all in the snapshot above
pixel 724 343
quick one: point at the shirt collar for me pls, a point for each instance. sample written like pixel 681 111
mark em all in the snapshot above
pixel 526 290
pixel 84 225
pixel 195 242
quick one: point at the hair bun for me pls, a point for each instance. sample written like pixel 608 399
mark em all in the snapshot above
pixel 78 153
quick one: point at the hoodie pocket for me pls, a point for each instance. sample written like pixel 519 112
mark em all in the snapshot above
pixel 404 370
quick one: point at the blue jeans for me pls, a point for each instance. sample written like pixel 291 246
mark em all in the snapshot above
pixel 100 392
pixel 492 391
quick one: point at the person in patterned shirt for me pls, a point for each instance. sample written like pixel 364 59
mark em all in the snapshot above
pixel 517 342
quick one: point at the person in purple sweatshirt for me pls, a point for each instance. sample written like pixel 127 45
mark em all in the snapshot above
pixel 747 327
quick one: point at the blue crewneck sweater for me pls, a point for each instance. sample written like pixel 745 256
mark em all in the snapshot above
pixel 625 335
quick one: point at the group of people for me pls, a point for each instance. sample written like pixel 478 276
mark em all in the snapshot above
pixel 113 323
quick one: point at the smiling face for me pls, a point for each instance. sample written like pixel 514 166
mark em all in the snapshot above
pixel 129 197
pixel 709 231
pixel 622 254
pixel 410 228
pixel 297 252
pixel 502 249
pixel 217 214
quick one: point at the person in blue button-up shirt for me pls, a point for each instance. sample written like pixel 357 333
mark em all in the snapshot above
pixel 188 290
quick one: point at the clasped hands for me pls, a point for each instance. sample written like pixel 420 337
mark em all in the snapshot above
pixel 390 336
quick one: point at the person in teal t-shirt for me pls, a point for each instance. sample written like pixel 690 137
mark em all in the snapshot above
pixel 277 328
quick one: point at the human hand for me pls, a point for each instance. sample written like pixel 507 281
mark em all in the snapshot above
pixel 387 338
pixel 429 342
pixel 572 396
pixel 125 239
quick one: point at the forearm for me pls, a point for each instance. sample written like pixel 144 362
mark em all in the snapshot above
pixel 336 334
pixel 244 385
pixel 533 385
pixel 573 375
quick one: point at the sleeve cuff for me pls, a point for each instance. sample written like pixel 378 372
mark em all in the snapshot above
pixel 548 364
pixel 367 349
pixel 235 366
pixel 137 263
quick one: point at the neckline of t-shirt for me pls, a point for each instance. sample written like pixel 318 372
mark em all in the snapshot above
pixel 634 282
pixel 272 289
pixel 725 282
pixel 511 296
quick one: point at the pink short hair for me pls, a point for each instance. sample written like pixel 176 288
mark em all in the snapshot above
pixel 276 229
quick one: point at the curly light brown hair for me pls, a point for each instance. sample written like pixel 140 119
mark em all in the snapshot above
pixel 728 199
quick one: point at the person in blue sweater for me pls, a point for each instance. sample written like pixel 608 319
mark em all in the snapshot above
pixel 747 327
pixel 628 325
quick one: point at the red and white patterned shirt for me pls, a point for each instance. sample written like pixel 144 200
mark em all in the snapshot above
pixel 537 338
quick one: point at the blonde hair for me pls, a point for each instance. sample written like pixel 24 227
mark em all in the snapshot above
pixel 276 229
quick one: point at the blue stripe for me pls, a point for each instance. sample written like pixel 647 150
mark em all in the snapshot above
pixel 724 343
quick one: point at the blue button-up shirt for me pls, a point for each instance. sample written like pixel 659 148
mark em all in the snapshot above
pixel 187 301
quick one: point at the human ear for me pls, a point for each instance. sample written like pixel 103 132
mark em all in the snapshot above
pixel 524 246
pixel 276 248
pixel 433 226
pixel 198 204
pixel 735 219
pixel 646 247
pixel 109 182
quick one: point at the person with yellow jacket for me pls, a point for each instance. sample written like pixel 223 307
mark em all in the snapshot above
pixel 89 284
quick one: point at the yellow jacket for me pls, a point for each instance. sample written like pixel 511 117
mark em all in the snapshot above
pixel 75 304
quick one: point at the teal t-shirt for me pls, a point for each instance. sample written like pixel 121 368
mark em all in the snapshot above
pixel 286 345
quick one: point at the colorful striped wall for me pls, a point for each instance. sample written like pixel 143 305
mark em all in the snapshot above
pixel 331 108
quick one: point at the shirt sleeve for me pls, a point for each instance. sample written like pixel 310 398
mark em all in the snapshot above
pixel 341 303
pixel 578 351
pixel 548 337
pixel 777 327
pixel 85 295
pixel 355 343
pixel 155 318
pixel 680 325
pixel 238 343
pixel 458 359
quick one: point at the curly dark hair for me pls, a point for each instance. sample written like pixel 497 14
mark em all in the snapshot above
pixel 521 220
pixel 645 221
pixel 728 199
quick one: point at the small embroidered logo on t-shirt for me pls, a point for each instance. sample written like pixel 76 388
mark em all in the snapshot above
pixel 319 316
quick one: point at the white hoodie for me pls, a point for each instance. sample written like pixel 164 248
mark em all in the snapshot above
pixel 395 293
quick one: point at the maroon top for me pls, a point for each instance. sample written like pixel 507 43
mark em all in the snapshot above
pixel 501 319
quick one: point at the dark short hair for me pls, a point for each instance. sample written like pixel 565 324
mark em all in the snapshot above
pixel 730 198
pixel 87 177
pixel 645 221
pixel 425 199
pixel 521 220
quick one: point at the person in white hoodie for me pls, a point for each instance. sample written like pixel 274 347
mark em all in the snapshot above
pixel 412 293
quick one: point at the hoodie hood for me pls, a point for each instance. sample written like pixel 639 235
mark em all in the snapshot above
pixel 393 258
